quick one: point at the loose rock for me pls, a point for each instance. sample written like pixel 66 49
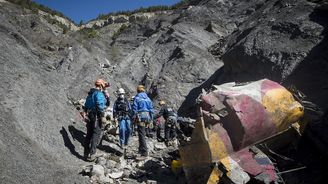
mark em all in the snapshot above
pixel 101 161
pixel 111 164
pixel 151 182
pixel 116 175
pixel 160 146
pixel 97 170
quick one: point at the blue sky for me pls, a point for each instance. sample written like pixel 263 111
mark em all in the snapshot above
pixel 86 10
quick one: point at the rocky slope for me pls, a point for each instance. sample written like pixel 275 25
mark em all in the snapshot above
pixel 180 52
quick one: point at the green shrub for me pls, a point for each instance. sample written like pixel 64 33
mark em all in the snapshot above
pixel 119 31
pixel 180 4
pixel 89 32
pixel 81 23
pixel 56 22
pixel 28 4
pixel 65 30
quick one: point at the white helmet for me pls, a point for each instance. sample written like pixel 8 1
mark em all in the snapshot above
pixel 120 91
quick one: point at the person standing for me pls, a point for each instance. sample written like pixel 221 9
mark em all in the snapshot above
pixel 170 117
pixel 159 127
pixel 143 113
pixel 122 111
pixel 94 108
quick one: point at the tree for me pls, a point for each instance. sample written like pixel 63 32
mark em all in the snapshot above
pixel 81 23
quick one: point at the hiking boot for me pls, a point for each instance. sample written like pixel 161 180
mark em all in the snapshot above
pixel 144 154
pixel 91 158
pixel 85 155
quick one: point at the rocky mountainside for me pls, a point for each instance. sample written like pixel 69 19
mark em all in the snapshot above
pixel 45 67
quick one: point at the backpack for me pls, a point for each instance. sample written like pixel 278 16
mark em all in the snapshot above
pixel 90 102
pixel 171 112
pixel 122 105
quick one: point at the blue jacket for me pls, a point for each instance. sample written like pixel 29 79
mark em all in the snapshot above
pixel 142 103
pixel 96 100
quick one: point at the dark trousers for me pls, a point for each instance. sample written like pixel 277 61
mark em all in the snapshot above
pixel 142 139
pixel 148 132
pixel 170 128
pixel 160 131
pixel 93 137
pixel 170 132
pixel 134 128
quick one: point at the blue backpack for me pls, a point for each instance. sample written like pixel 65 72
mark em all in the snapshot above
pixel 90 101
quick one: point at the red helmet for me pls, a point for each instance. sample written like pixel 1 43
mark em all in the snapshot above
pixel 102 83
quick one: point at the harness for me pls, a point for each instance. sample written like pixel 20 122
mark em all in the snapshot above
pixel 122 108
pixel 171 121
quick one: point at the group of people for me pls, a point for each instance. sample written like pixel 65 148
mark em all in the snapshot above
pixel 140 111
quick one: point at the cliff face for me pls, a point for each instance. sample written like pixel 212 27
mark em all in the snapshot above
pixel 284 41
pixel 43 68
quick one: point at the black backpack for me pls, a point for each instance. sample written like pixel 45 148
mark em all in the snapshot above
pixel 122 106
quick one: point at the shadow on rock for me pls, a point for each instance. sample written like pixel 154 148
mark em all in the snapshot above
pixel 77 134
pixel 111 148
pixel 310 77
pixel 188 106
pixel 69 144
pixel 155 171
pixel 106 146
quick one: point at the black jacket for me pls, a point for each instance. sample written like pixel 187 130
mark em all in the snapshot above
pixel 166 112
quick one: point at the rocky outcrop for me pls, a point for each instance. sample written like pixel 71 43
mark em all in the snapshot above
pixel 95 24
pixel 70 25
pixel 144 16
pixel 288 49
pixel 119 19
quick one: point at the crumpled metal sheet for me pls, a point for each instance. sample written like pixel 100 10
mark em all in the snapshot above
pixel 234 117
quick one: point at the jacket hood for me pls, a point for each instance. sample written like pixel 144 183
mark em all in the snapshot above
pixel 142 95
pixel 92 90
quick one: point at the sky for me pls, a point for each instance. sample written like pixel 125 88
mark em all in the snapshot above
pixel 86 10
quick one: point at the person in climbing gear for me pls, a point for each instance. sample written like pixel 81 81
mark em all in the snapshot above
pixel 143 113
pixel 159 127
pixel 94 108
pixel 153 92
pixel 170 117
pixel 122 111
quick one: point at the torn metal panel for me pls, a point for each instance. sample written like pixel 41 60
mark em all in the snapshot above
pixel 232 119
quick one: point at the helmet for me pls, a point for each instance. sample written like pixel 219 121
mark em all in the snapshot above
pixel 101 83
pixel 162 102
pixel 120 91
pixel 140 88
